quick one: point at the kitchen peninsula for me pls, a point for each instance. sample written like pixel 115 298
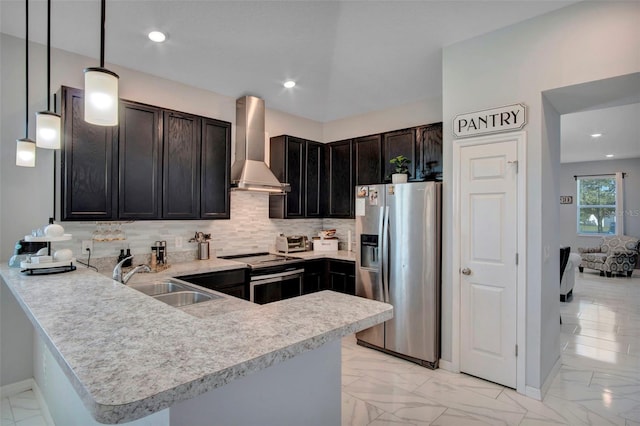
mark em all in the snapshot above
pixel 131 358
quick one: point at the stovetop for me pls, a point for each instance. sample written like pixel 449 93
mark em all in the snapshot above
pixel 263 260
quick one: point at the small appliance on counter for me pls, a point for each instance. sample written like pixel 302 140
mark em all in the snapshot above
pixel 325 244
pixel 291 244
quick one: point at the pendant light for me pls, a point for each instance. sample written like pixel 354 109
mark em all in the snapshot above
pixel 101 89
pixel 48 124
pixel 25 147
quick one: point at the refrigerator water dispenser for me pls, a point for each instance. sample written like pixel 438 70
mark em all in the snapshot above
pixel 369 255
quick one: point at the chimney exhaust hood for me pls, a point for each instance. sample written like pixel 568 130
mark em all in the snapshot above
pixel 249 171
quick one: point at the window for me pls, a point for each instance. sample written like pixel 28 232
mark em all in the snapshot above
pixel 598 204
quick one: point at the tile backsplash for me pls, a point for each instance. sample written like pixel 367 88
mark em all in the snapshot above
pixel 248 230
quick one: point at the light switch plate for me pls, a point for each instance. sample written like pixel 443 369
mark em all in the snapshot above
pixel 178 242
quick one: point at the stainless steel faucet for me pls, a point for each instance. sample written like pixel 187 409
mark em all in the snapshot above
pixel 117 271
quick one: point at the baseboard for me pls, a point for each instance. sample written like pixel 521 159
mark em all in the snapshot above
pixel 447 365
pixel 44 408
pixel 539 394
pixel 15 388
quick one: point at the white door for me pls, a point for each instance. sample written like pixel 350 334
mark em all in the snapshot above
pixel 488 270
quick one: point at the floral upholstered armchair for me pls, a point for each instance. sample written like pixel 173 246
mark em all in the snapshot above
pixel 616 255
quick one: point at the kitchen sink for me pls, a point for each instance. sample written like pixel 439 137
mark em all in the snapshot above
pixel 160 288
pixel 174 293
pixel 183 298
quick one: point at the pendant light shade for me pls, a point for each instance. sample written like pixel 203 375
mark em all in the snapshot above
pixel 100 96
pixel 25 153
pixel 101 88
pixel 25 147
pixel 48 124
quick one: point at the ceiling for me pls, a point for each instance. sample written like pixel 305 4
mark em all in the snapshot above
pixel 348 57
pixel 610 107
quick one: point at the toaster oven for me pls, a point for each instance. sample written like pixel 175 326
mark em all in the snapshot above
pixel 291 244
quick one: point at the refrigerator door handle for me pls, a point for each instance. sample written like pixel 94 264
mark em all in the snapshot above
pixel 381 248
pixel 385 254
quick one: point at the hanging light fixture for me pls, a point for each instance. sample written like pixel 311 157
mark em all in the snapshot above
pixel 25 147
pixel 101 89
pixel 48 124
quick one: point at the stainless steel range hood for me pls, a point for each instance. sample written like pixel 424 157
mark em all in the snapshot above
pixel 249 171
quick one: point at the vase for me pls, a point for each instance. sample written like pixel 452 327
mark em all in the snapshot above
pixel 399 178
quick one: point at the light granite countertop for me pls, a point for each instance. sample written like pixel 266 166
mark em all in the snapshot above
pixel 129 355
pixel 310 255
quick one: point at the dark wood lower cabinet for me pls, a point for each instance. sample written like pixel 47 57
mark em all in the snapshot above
pixel 342 276
pixel 315 273
pixel 327 274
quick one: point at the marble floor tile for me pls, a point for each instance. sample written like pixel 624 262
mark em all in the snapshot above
pixel 356 412
pixel 32 421
pixel 597 385
pixel 24 405
pixel 5 411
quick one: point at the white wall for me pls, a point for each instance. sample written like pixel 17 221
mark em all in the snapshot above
pixel 568 212
pixel 580 43
pixel 410 115
pixel 26 193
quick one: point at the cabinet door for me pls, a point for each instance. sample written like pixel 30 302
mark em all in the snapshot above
pixel 313 179
pixel 342 277
pixel 368 153
pixel 215 169
pixel 340 187
pixel 294 175
pixel 429 140
pixel 140 164
pixel 181 166
pixel 89 160
pixel 402 142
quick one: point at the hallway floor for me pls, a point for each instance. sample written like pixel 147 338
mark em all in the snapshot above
pixel 598 384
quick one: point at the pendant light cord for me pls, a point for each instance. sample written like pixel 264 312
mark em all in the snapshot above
pixel 104 2
pixel 48 55
pixel 26 71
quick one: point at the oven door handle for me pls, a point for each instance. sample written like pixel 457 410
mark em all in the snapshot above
pixel 272 278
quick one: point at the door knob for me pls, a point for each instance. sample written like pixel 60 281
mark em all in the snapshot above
pixel 466 271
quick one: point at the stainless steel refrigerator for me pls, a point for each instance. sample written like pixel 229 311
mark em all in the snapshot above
pixel 398 262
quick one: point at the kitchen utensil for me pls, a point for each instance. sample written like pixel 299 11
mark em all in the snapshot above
pixel 203 250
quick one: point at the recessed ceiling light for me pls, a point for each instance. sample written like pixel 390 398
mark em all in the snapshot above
pixel 157 36
pixel 289 84
pixel 609 155
pixel 596 135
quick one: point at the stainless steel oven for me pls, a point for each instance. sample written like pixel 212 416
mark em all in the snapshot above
pixel 271 285
pixel 272 277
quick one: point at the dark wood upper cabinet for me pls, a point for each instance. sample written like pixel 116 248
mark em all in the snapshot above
pixel 297 162
pixel 215 170
pixel 181 166
pixel 314 170
pixel 140 161
pixel 401 142
pixel 339 194
pixel 368 159
pixel 429 139
pixel 156 164
pixel 88 162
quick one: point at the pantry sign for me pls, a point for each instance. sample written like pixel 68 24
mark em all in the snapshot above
pixel 495 120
